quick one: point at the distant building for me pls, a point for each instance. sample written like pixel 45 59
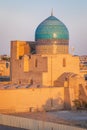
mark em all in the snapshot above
pixel 4 65
pixel 83 66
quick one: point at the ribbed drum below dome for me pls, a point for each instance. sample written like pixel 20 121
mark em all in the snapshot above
pixel 52 37
pixel 52 49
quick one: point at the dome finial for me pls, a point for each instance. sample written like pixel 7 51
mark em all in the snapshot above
pixel 52 12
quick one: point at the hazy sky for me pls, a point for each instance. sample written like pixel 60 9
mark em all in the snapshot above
pixel 19 19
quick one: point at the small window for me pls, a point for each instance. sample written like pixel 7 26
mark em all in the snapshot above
pixel 85 76
pixel 36 62
pixel 20 57
pixel 7 64
pixel 64 62
pixel 29 56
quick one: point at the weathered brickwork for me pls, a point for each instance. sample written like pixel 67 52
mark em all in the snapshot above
pixel 43 73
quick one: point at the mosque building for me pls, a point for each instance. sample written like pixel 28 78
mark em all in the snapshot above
pixel 43 69
pixel 46 59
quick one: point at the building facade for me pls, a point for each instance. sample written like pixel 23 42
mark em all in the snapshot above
pixel 44 76
pixel 47 58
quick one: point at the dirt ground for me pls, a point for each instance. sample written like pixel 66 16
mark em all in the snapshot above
pixel 74 118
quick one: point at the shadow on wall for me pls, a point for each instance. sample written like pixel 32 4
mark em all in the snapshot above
pixel 54 104
pixel 59 82
pixel 67 102
pixel 83 93
pixel 4 78
pixel 81 102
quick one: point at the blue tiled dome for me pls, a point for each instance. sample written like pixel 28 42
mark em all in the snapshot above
pixel 51 28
